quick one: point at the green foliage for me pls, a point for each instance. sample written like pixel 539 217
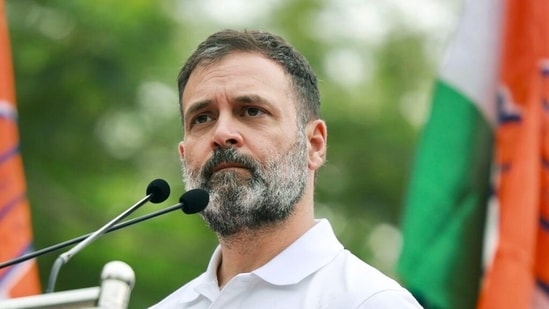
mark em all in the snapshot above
pixel 98 119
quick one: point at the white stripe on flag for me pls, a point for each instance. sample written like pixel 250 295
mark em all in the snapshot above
pixel 471 62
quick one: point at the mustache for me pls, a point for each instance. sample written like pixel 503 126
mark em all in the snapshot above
pixel 228 155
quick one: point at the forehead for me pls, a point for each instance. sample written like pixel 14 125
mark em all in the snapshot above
pixel 238 73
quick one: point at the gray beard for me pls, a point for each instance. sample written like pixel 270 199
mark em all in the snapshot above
pixel 266 196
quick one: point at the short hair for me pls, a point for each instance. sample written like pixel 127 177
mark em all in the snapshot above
pixel 303 80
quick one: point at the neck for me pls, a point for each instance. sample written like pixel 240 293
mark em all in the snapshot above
pixel 250 249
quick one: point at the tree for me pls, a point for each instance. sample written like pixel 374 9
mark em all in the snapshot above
pixel 99 119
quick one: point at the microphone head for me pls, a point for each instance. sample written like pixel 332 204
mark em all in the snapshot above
pixel 159 190
pixel 194 201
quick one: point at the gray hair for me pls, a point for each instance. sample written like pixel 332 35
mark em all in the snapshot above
pixel 302 78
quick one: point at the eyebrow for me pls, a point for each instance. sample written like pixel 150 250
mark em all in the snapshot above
pixel 252 98
pixel 195 107
pixel 242 99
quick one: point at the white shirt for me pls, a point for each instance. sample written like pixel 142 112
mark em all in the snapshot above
pixel 313 272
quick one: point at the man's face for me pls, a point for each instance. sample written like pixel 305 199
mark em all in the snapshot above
pixel 242 142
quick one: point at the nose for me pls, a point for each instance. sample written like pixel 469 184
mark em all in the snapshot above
pixel 227 133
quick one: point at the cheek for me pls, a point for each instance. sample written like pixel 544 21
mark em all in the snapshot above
pixel 194 156
pixel 272 150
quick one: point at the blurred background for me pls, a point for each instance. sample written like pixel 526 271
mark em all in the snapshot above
pixel 98 119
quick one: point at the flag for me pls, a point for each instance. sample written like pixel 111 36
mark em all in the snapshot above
pixel 489 120
pixel 518 275
pixel 15 224
pixel 445 211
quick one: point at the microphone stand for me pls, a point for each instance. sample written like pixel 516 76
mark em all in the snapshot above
pixel 65 257
pixel 80 238
pixel 157 191
pixel 191 202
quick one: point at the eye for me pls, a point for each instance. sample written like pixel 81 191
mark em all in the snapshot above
pixel 203 118
pixel 252 111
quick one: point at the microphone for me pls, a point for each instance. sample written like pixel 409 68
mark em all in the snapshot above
pixel 192 201
pixel 117 281
pixel 157 191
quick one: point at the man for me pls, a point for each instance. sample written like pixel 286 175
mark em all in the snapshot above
pixel 254 139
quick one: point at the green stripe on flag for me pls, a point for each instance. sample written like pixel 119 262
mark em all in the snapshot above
pixel 446 204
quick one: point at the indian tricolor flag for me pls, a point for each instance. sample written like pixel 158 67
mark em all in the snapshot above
pixel 15 224
pixel 476 224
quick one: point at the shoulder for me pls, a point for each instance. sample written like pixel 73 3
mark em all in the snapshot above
pixel 353 272
pixel 186 293
pixel 355 284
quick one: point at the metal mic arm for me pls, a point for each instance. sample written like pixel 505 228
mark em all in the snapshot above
pixel 81 238
pixel 157 191
pixel 192 201
pixel 65 257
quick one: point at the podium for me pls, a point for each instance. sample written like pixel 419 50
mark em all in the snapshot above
pixel 117 281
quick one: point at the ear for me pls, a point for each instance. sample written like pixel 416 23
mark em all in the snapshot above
pixel 181 150
pixel 317 135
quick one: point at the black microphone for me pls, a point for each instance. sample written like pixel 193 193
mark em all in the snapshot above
pixel 157 191
pixel 194 201
pixel 190 202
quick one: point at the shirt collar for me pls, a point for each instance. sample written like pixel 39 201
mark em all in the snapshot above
pixel 206 284
pixel 314 249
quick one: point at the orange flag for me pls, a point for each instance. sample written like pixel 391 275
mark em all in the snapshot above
pixel 15 224
pixel 518 276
